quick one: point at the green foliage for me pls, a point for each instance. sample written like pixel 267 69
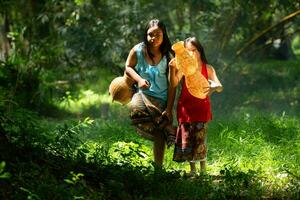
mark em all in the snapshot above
pixel 20 79
pixel 125 167
pixel 55 45
pixel 4 175
pixel 130 154
pixel 296 45
pixel 65 141
pixel 268 86
pixel 235 184
pixel 62 56
pixel 74 178
pixel 22 127
pixel 30 195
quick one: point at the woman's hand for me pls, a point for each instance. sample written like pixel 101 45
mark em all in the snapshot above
pixel 143 84
pixel 168 114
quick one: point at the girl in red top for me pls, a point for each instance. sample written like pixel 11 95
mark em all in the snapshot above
pixel 193 113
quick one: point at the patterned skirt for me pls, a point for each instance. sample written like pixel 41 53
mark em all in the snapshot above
pixel 190 144
pixel 145 114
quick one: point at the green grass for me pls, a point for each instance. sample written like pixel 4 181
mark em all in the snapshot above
pixel 267 145
pixel 253 145
pixel 255 128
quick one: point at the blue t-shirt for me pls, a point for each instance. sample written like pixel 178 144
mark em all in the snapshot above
pixel 156 75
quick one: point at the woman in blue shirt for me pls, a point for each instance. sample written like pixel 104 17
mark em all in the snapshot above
pixel 151 107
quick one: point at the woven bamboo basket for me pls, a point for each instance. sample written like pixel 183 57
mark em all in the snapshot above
pixel 196 83
pixel 121 89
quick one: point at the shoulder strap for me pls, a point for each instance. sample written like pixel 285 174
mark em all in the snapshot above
pixel 204 70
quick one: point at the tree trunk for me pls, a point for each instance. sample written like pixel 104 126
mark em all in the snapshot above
pixel 3 138
pixel 179 16
pixel 5 45
pixel 5 146
pixel 261 34
pixel 285 51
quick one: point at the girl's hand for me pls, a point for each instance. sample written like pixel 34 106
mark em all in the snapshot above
pixel 213 86
pixel 143 84
pixel 172 63
pixel 211 90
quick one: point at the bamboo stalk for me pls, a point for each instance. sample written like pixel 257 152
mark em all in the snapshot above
pixel 263 32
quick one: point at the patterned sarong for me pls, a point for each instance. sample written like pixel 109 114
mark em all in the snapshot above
pixel 145 114
pixel 190 144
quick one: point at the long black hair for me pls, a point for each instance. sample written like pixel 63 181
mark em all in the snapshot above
pixel 198 46
pixel 165 47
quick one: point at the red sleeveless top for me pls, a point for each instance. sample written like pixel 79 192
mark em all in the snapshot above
pixel 193 109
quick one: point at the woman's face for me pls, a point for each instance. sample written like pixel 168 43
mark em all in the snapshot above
pixel 193 50
pixel 155 36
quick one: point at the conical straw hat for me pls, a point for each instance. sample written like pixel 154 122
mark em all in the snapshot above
pixel 197 85
pixel 121 90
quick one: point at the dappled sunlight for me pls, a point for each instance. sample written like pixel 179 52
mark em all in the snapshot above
pixel 85 101
pixel 130 153
pixel 62 136
pixel 89 103
pixel 261 143
pixel 245 145
pixel 244 151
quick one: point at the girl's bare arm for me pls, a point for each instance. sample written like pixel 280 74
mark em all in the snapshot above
pixel 175 73
pixel 213 76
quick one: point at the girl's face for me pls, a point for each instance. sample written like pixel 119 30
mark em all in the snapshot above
pixel 193 50
pixel 155 36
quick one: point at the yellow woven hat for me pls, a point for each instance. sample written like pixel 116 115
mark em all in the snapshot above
pixel 121 89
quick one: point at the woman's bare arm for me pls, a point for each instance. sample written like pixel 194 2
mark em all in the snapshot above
pixel 129 69
pixel 171 94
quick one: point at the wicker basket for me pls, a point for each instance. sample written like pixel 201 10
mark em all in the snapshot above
pixel 184 60
pixel 121 89
pixel 196 83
